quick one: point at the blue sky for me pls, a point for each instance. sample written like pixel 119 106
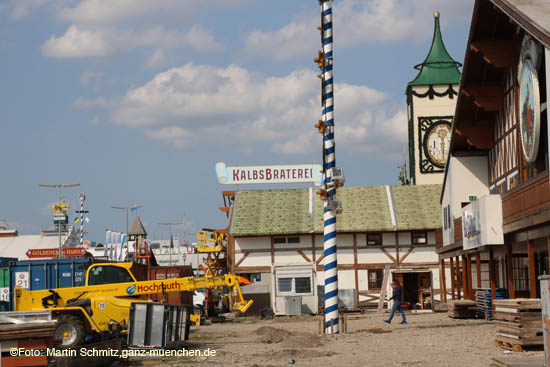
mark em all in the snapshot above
pixel 137 99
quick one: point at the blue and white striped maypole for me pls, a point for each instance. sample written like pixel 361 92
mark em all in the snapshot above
pixel 326 127
pixel 81 197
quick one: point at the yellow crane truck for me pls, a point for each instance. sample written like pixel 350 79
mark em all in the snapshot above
pixel 102 306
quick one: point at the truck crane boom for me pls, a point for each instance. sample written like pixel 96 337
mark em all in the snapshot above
pixel 104 302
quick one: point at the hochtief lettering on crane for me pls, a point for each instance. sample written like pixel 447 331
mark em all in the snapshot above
pixel 274 174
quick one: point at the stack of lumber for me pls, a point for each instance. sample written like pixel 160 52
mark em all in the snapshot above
pixel 25 330
pixel 28 330
pixel 462 309
pixel 519 323
pixel 484 301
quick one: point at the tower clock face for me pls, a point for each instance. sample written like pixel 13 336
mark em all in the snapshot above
pixel 438 139
pixel 434 140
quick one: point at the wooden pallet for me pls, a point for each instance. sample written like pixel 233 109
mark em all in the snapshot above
pixel 518 317
pixel 462 309
pixel 517 362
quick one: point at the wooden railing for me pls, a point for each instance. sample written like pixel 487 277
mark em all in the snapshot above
pixel 526 199
pixel 458 229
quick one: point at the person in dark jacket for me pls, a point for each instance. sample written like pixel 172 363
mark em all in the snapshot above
pixel 396 298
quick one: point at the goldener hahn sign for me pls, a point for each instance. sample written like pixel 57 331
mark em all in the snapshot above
pixel 247 175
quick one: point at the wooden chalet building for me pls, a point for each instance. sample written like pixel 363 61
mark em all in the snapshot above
pixel 496 194
pixel 277 242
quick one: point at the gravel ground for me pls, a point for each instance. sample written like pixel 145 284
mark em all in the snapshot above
pixel 428 340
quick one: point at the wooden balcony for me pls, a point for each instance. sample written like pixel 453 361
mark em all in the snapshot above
pixel 527 205
pixel 458 229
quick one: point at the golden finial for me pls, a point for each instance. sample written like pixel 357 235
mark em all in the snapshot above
pixel 436 14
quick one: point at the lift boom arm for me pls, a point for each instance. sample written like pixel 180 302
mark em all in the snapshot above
pixel 63 297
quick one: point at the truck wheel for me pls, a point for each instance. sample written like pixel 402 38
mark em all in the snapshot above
pixel 70 330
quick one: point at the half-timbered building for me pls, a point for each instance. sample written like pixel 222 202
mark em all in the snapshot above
pixel 496 194
pixel 277 242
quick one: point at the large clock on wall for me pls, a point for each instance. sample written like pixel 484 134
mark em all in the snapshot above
pixel 434 141
pixel 529 99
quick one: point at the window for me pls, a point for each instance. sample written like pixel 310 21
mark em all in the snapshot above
pixel 109 275
pixel 374 239
pixel 520 267
pixel 375 279
pixel 303 285
pixel 294 285
pixel 279 240
pixel 285 284
pixel 419 238
pixel 255 277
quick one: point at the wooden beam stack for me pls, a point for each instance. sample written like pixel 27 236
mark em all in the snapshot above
pixel 519 323
pixel 462 309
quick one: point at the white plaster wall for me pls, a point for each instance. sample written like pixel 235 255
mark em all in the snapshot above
pixel 252 243
pixel 363 279
pixel 469 177
pixel 345 256
pixel 289 258
pixel 431 238
pixel 373 256
pixel 405 238
pixel 254 259
pixel 420 255
pixel 388 239
pixel 344 240
pixel 466 176
pixel 346 279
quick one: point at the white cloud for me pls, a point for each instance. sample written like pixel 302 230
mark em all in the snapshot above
pixel 78 42
pixel 19 9
pixel 356 22
pixel 183 105
pixel 115 11
pixel 157 58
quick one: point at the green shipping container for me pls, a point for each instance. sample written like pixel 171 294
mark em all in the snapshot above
pixel 4 289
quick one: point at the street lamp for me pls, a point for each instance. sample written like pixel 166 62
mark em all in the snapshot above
pixel 59 187
pixel 127 208
pixel 170 224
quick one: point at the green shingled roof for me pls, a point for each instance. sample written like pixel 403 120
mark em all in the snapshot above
pixel 439 67
pixel 276 212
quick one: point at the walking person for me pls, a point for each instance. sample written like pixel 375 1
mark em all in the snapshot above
pixel 396 297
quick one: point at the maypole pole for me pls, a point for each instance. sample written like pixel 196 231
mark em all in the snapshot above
pixel 333 177
pixel 81 197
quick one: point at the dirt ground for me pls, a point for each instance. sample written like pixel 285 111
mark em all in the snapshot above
pixel 428 340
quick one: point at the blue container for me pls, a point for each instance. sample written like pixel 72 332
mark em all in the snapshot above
pixel 48 274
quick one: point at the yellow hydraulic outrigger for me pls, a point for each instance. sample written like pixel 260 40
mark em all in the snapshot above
pixel 103 304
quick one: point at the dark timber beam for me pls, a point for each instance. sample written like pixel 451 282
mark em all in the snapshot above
pixel 492 275
pixel 452 278
pixel 443 283
pixel 510 265
pixel 532 274
pixel 487 97
pixel 499 53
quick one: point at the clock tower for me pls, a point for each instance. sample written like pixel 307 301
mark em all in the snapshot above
pixel 431 101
